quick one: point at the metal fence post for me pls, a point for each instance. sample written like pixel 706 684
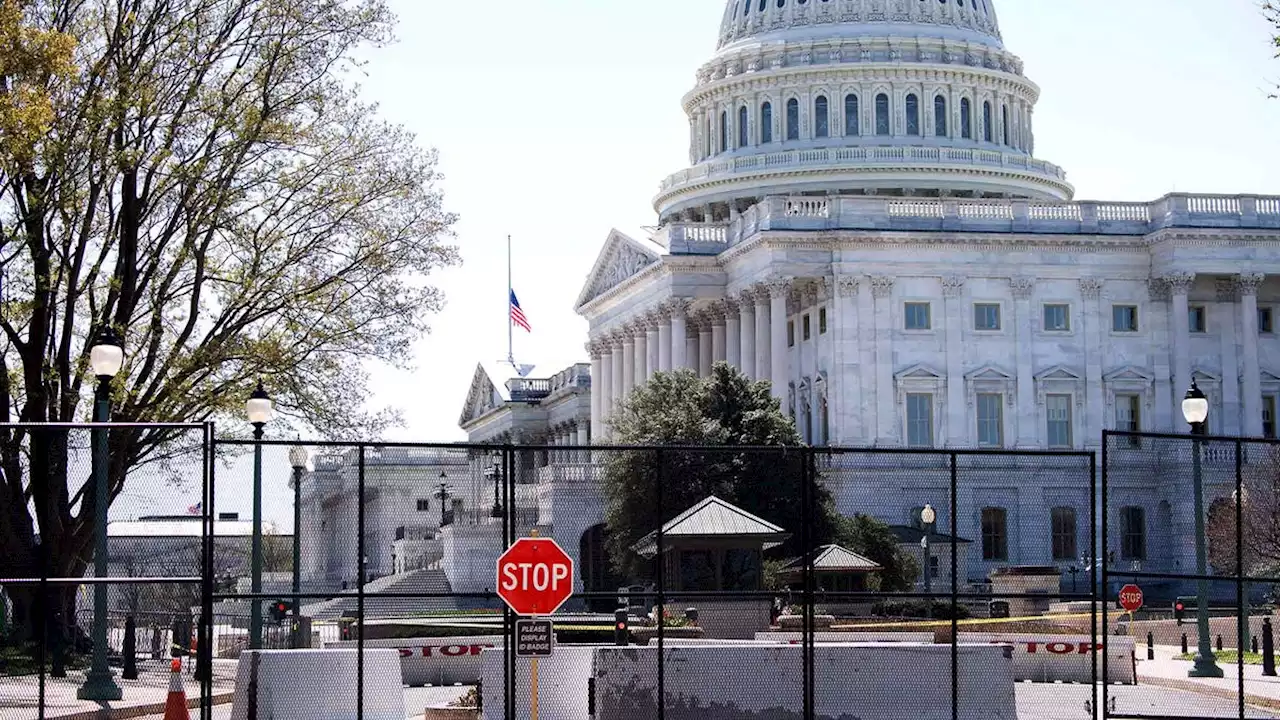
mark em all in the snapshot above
pixel 360 566
pixel 955 589
pixel 1268 649
pixel 130 649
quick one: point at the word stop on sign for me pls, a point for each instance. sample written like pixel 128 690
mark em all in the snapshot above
pixel 538 577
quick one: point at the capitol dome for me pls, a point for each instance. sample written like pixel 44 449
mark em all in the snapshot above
pixel 858 97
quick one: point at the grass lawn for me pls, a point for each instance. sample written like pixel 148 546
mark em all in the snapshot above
pixel 1229 657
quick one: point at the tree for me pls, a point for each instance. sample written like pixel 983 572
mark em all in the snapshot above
pixel 644 489
pixel 1260 514
pixel 199 175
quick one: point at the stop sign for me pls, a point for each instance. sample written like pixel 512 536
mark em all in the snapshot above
pixel 1131 598
pixel 535 576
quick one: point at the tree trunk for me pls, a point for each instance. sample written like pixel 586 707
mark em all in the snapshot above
pixel 56 605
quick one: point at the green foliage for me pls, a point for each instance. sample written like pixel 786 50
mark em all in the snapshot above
pixel 874 540
pixel 737 428
pixel 918 609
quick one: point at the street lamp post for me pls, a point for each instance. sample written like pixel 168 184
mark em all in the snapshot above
pixel 443 494
pixel 928 517
pixel 1195 410
pixel 105 359
pixel 497 511
pixel 259 410
pixel 298 459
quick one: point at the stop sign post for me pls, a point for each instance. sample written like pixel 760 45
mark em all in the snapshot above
pixel 1131 598
pixel 535 576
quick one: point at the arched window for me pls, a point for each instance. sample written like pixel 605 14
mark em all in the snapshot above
pixel 793 119
pixel 986 121
pixel 724 131
pixel 913 114
pixel 1004 126
pixel 850 114
pixel 766 123
pixel 966 119
pixel 707 144
pixel 1063 530
pixel 995 534
pixel 882 114
pixel 821 119
pixel 743 138
pixel 940 116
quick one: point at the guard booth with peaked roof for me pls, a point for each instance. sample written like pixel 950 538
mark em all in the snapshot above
pixel 835 570
pixel 715 546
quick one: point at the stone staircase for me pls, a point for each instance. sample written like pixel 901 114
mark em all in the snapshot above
pixel 416 581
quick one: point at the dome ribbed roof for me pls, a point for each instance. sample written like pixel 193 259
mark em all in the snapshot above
pixel 793 20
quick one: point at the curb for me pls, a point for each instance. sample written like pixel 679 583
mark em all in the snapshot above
pixel 1203 689
pixel 134 711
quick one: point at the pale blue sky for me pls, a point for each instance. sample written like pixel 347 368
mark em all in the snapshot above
pixel 555 121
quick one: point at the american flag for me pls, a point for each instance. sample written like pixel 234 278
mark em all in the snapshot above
pixel 195 509
pixel 517 315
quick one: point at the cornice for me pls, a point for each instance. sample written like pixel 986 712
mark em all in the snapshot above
pixel 1215 237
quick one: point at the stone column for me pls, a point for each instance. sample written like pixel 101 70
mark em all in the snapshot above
pixel 763 349
pixel 847 394
pixel 886 414
pixel 1179 287
pixel 677 308
pixel 1252 380
pixel 619 372
pixel 717 319
pixel 747 324
pixel 957 419
pixel 704 344
pixel 1168 407
pixel 1028 427
pixel 1095 350
pixel 1224 321
pixel 628 360
pixel 779 371
pixel 597 370
pixel 652 355
pixel 663 318
pixel 605 346
pixel 691 346
pixel 581 439
pixel 642 352
pixel 732 334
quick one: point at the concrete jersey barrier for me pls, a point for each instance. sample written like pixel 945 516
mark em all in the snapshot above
pixel 435 661
pixel 849 637
pixel 1064 658
pixel 318 685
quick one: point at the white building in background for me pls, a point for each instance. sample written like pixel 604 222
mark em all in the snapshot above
pixel 864 224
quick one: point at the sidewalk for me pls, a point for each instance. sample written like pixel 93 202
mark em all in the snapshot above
pixel 1167 671
pixel 19 696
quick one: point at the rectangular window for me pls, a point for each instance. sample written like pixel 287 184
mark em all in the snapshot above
pixel 805 322
pixel 822 321
pixel 917 316
pixel 1057 318
pixel 1196 319
pixel 934 563
pixel 986 316
pixel 1058 409
pixel 1265 321
pixel 995 539
pixel 1063 520
pixel 1124 318
pixel 920 420
pixel 424 505
pixel 791 333
pixel 990 420
pixel 1128 413
pixel 1269 416
pixel 1133 533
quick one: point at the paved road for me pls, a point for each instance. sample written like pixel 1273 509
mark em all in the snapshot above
pixel 1040 701
pixel 415 700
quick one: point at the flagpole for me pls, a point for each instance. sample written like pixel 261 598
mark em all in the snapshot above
pixel 511 356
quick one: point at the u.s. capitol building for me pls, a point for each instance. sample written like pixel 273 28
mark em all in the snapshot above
pixel 863 223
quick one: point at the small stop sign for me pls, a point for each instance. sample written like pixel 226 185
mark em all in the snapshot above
pixel 1131 598
pixel 535 576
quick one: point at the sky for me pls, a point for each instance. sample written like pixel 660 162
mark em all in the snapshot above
pixel 555 121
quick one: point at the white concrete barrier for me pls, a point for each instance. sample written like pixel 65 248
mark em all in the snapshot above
pixel 1064 658
pixel 435 661
pixel 849 637
pixel 563 680
pixel 318 685
pixel 855 680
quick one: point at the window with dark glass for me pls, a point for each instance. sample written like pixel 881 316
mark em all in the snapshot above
pixel 882 114
pixel 1196 321
pixel 744 139
pixel 1004 126
pixel 1265 320
pixel 1057 317
pixel 804 321
pixel 791 333
pixel 995 539
pixel 1269 416
pixel 724 131
pixel 940 116
pixel 741 570
pixel 424 505
pixel 793 119
pixel 986 316
pixel 697 570
pixel 1133 533
pixel 986 121
pixel 913 114
pixel 966 119
pixel 990 420
pixel 766 123
pixel 1124 318
pixel 916 316
pixel 822 321
pixel 1058 410
pixel 821 118
pixel 1063 520
pixel 1128 413
pixel 851 114
pixel 919 420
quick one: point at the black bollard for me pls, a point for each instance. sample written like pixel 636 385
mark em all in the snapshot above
pixel 1268 649
pixel 1151 646
pixel 1253 644
pixel 1184 643
pixel 130 649
pixel 1219 643
pixel 58 666
pixel 157 643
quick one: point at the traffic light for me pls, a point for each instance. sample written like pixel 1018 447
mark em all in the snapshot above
pixel 1180 607
pixel 621 628
pixel 280 610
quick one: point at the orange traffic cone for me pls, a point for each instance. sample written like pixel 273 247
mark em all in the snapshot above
pixel 175 706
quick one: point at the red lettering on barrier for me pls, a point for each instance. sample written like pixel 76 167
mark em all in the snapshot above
pixel 1059 648
pixel 405 652
pixel 478 649
pixel 453 650
pixel 426 651
pixel 1086 648
pixel 1031 647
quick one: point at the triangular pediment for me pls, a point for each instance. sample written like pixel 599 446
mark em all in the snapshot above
pixel 1128 372
pixel 918 372
pixel 1267 376
pixel 988 372
pixel 619 259
pixel 1204 376
pixel 481 398
pixel 1058 372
